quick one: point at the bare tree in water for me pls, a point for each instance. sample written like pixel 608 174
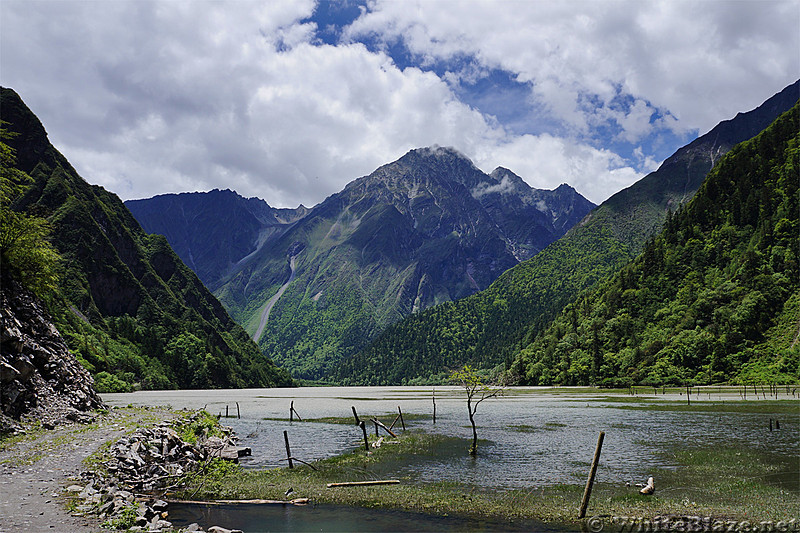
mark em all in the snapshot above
pixel 477 391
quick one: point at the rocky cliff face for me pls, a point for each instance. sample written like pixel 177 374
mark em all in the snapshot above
pixel 39 376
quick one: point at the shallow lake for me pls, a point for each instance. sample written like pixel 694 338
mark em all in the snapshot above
pixel 529 437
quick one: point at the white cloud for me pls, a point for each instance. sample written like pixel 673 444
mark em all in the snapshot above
pixel 148 97
pixel 545 162
pixel 702 61
pixel 506 186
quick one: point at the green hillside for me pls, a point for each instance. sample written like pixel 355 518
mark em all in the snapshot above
pixel 423 230
pixel 713 297
pixel 477 329
pixel 132 312
pixel 489 328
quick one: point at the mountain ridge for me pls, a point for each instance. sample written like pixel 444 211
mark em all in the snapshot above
pixel 488 328
pixel 708 297
pixel 427 228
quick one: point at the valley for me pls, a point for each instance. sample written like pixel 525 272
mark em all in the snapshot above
pixel 271 302
pixel 548 278
pixel 424 230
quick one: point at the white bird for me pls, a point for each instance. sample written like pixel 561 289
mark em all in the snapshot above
pixel 650 487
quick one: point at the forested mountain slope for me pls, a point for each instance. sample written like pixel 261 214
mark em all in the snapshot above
pixel 713 297
pixel 490 327
pixel 128 307
pixel 425 229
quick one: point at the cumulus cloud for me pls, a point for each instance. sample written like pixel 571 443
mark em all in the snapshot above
pixel 545 161
pixel 700 60
pixel 168 96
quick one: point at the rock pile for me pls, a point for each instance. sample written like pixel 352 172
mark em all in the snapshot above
pixel 151 460
pixel 39 377
pixel 112 504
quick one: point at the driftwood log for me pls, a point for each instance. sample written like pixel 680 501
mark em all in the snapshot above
pixel 381 424
pixel 296 501
pixel 364 483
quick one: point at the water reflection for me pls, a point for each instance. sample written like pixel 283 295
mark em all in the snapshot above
pixel 529 437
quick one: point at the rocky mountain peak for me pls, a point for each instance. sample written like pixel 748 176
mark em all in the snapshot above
pixel 437 152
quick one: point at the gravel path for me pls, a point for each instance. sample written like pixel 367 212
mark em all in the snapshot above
pixel 34 471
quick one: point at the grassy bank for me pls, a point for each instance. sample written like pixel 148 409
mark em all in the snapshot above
pixel 724 483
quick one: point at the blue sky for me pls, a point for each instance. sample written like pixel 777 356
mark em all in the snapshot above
pixel 289 100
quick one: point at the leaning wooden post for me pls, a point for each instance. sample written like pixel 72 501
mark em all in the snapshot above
pixel 364 429
pixel 688 395
pixel 401 418
pixel 288 452
pixel 381 424
pixel 238 412
pixel 355 415
pixel 589 482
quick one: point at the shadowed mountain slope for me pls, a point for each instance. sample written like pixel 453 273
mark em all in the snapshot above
pixel 127 306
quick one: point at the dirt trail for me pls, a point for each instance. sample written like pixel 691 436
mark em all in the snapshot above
pixel 271 303
pixel 33 472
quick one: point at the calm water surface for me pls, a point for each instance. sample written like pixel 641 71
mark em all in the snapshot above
pixel 529 437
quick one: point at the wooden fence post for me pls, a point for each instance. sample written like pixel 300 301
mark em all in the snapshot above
pixel 434 406
pixel 288 452
pixel 355 415
pixel 589 482
pixel 364 429
pixel 401 418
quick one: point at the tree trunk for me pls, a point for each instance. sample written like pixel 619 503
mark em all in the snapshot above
pixel 473 450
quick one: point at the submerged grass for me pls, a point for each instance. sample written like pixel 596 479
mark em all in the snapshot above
pixel 789 407
pixel 720 482
pixel 724 483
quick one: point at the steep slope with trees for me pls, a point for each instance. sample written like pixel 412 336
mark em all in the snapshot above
pixel 426 229
pixel 490 327
pixel 710 298
pixel 133 313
